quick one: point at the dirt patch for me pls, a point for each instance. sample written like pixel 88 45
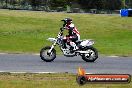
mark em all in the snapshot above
pixel 129 27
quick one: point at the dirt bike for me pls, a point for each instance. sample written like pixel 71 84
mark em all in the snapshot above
pixel 86 49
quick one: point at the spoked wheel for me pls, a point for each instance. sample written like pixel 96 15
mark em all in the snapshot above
pixel 91 56
pixel 48 57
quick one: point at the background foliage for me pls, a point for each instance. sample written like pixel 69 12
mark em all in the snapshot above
pixel 54 4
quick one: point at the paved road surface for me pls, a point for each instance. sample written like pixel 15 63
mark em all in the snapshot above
pixel 33 63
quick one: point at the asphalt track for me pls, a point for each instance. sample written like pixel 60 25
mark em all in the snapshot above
pixel 33 64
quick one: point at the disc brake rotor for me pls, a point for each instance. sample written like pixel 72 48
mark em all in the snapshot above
pixel 46 55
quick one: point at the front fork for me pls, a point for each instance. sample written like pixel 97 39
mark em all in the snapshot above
pixel 52 47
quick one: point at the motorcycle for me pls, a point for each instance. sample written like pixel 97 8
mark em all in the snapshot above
pixel 86 49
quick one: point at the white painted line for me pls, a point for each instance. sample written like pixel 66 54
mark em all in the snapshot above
pixel 2 53
pixel 44 72
pixel 36 72
pixel 17 72
pixel 112 56
pixel 37 54
pixel 28 72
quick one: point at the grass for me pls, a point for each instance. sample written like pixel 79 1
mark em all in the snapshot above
pixel 8 80
pixel 27 31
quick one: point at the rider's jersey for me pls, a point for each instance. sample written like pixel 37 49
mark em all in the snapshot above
pixel 72 30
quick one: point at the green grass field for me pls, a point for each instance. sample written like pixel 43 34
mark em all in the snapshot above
pixel 8 80
pixel 27 31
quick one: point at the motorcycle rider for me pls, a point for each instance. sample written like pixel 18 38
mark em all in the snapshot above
pixel 73 33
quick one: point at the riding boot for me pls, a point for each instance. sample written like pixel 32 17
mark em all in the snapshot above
pixel 74 46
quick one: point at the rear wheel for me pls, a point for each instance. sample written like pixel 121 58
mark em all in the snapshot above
pixel 45 56
pixel 91 56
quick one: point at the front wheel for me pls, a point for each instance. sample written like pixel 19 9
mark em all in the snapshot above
pixel 45 56
pixel 91 56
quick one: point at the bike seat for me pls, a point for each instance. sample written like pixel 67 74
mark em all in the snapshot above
pixel 78 41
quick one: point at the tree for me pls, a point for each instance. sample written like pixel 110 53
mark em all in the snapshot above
pixel 113 4
pixel 89 4
pixel 62 3
pixel 127 3
pixel 35 3
pixel 100 4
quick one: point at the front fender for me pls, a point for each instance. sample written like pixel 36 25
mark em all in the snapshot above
pixel 51 39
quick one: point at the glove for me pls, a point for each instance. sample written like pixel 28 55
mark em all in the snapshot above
pixel 66 28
